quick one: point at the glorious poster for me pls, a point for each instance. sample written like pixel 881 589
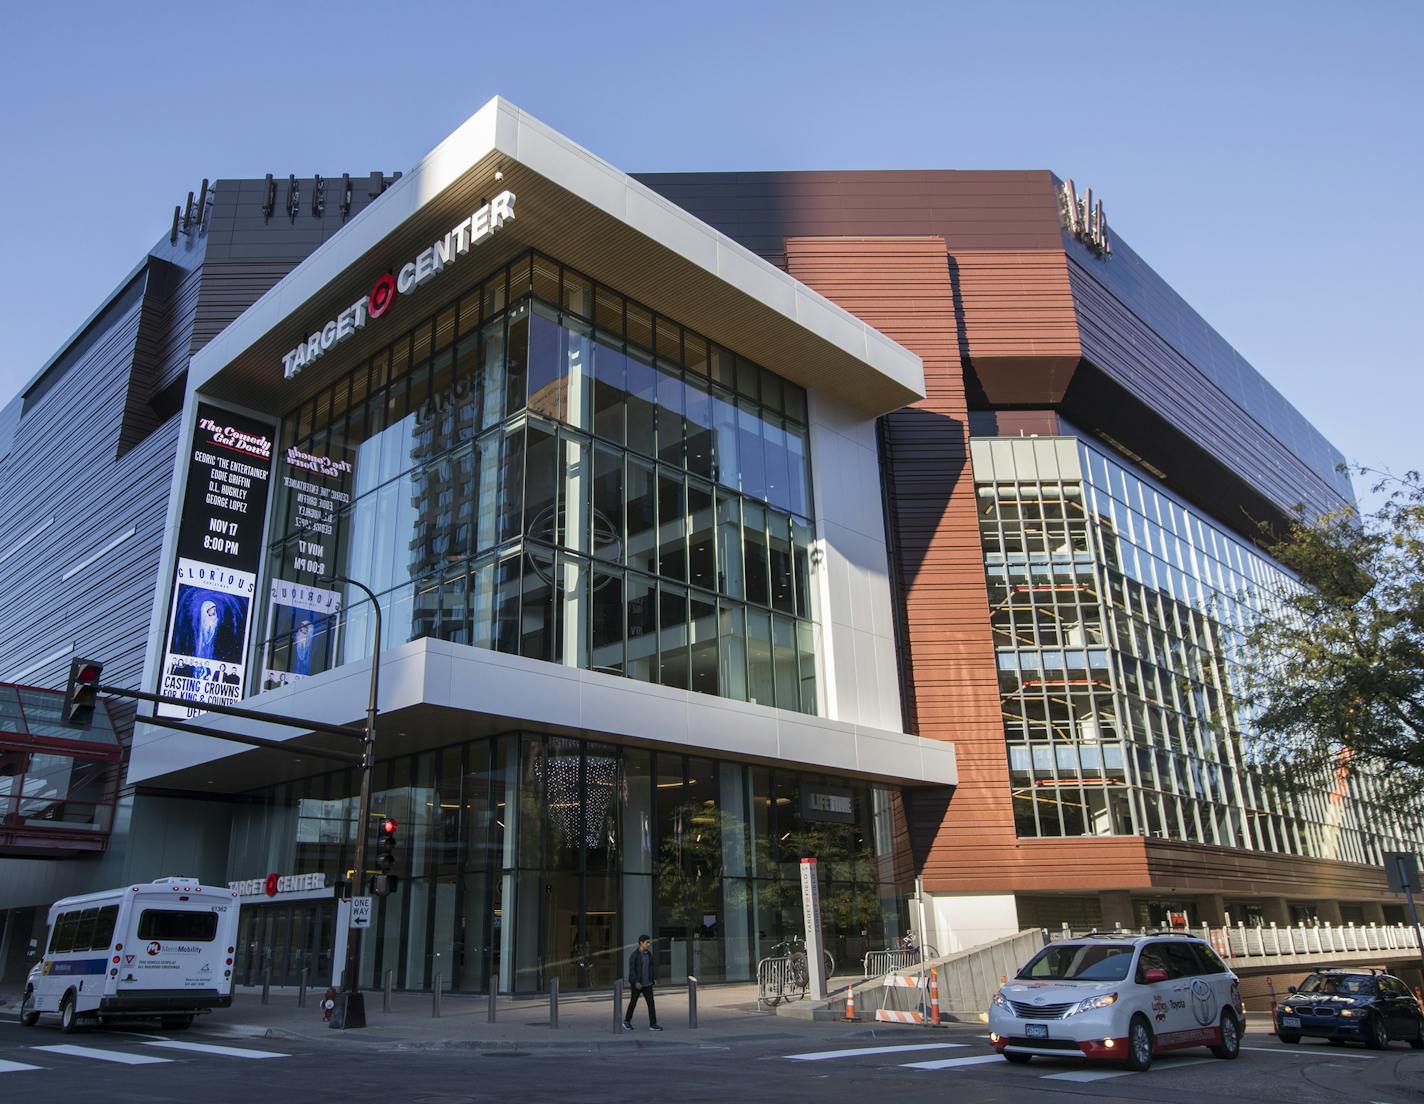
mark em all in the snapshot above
pixel 219 548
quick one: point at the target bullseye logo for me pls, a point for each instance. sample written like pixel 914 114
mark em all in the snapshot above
pixel 271 885
pixel 382 296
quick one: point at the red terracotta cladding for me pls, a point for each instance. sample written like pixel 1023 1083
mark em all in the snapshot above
pixel 901 286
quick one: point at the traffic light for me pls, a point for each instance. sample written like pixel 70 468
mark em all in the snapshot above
pixel 82 693
pixel 386 849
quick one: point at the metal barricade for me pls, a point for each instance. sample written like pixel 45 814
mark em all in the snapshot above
pixel 892 958
pixel 779 980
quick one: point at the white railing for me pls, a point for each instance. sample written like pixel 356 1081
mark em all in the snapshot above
pixel 1304 940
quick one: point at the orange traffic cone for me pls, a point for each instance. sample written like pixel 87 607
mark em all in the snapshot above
pixel 850 1005
pixel 934 995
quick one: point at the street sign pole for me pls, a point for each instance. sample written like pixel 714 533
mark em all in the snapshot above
pixel 811 908
pixel 1403 870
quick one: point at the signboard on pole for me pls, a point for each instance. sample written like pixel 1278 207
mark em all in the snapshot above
pixel 811 908
pixel 360 912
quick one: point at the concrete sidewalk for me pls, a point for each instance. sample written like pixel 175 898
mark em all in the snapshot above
pixel 726 1013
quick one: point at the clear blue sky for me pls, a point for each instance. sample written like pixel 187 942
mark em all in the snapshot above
pixel 1265 157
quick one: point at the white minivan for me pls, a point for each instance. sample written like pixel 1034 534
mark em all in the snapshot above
pixel 162 950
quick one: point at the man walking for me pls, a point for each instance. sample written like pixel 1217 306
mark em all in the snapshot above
pixel 640 979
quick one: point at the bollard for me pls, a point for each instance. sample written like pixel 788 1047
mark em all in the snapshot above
pixel 328 1003
pixel 302 990
pixel 386 991
pixel 267 984
pixel 436 995
pixel 618 1006
pixel 691 1001
pixel 554 1001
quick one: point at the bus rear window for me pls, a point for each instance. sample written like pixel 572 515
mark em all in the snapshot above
pixel 185 927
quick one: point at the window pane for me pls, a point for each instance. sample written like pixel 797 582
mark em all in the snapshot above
pixel 672 636
pixel 511 485
pixel 751 451
pixel 506 606
pixel 607 621
pixel 729 545
pixel 574 528
pixel 778 479
pixel 548 371
pixel 704 644
pixel 724 434
pixel 759 676
pixel 670 407
pixel 702 556
pixel 607 504
pixel 536 614
pixel 642 629
pixel 610 384
pixel 732 634
pixel 516 373
pixel 779 544
pixel 576 352
pixel 572 594
pixel 642 403
pixel 806 656
pixel 801 557
pixel 492 374
pixel 755 569
pixel 672 526
pixel 540 471
pixel 642 517
pixel 788 678
pixel 699 428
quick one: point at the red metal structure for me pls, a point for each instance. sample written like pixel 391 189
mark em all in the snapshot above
pixel 58 783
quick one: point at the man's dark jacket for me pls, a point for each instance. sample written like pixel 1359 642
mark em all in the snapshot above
pixel 640 969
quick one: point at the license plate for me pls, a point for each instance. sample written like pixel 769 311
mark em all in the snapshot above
pixel 1036 1031
pixel 1290 1021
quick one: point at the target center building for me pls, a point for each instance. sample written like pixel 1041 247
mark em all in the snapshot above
pixel 613 480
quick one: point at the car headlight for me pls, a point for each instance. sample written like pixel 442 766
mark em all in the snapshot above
pixel 1288 1009
pixel 1001 1001
pixel 1349 1013
pixel 1088 1004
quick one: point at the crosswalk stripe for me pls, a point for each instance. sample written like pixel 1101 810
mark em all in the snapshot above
pixel 15 1067
pixel 857 1052
pixel 953 1063
pixel 1103 1075
pixel 211 1048
pixel 1085 1075
pixel 1310 1052
pixel 103 1055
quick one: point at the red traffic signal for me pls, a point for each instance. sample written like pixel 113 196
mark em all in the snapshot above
pixel 82 692
pixel 388 827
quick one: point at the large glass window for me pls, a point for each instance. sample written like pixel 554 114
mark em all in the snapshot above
pixel 1115 610
pixel 470 470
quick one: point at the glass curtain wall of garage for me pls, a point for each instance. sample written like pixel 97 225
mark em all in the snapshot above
pixel 546 468
pixel 540 856
pixel 1116 611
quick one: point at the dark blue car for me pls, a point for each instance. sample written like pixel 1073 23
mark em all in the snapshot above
pixel 1362 1006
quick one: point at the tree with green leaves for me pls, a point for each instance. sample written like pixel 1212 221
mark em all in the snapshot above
pixel 1334 668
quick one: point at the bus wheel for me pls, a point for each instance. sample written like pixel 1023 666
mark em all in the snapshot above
pixel 28 1016
pixel 176 1023
pixel 69 1015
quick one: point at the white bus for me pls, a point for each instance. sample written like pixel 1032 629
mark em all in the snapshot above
pixel 158 951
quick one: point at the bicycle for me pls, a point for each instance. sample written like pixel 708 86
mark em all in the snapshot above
pixel 908 942
pixel 794 946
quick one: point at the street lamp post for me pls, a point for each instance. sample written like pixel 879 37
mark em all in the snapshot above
pixel 350 1008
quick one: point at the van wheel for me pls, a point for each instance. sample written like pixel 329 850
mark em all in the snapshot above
pixel 176 1023
pixel 1230 1045
pixel 1139 1045
pixel 28 1016
pixel 69 1015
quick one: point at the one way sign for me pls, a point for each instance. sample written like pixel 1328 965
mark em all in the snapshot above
pixel 360 912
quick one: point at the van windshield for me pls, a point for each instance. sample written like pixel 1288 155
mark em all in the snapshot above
pixel 1079 962
pixel 186 927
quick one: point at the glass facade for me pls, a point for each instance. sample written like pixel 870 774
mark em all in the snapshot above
pixel 538 856
pixel 546 468
pixel 1116 611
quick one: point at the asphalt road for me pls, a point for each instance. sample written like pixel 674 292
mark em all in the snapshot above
pixel 785 1063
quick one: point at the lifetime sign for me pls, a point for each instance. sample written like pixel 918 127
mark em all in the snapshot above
pixel 475 230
